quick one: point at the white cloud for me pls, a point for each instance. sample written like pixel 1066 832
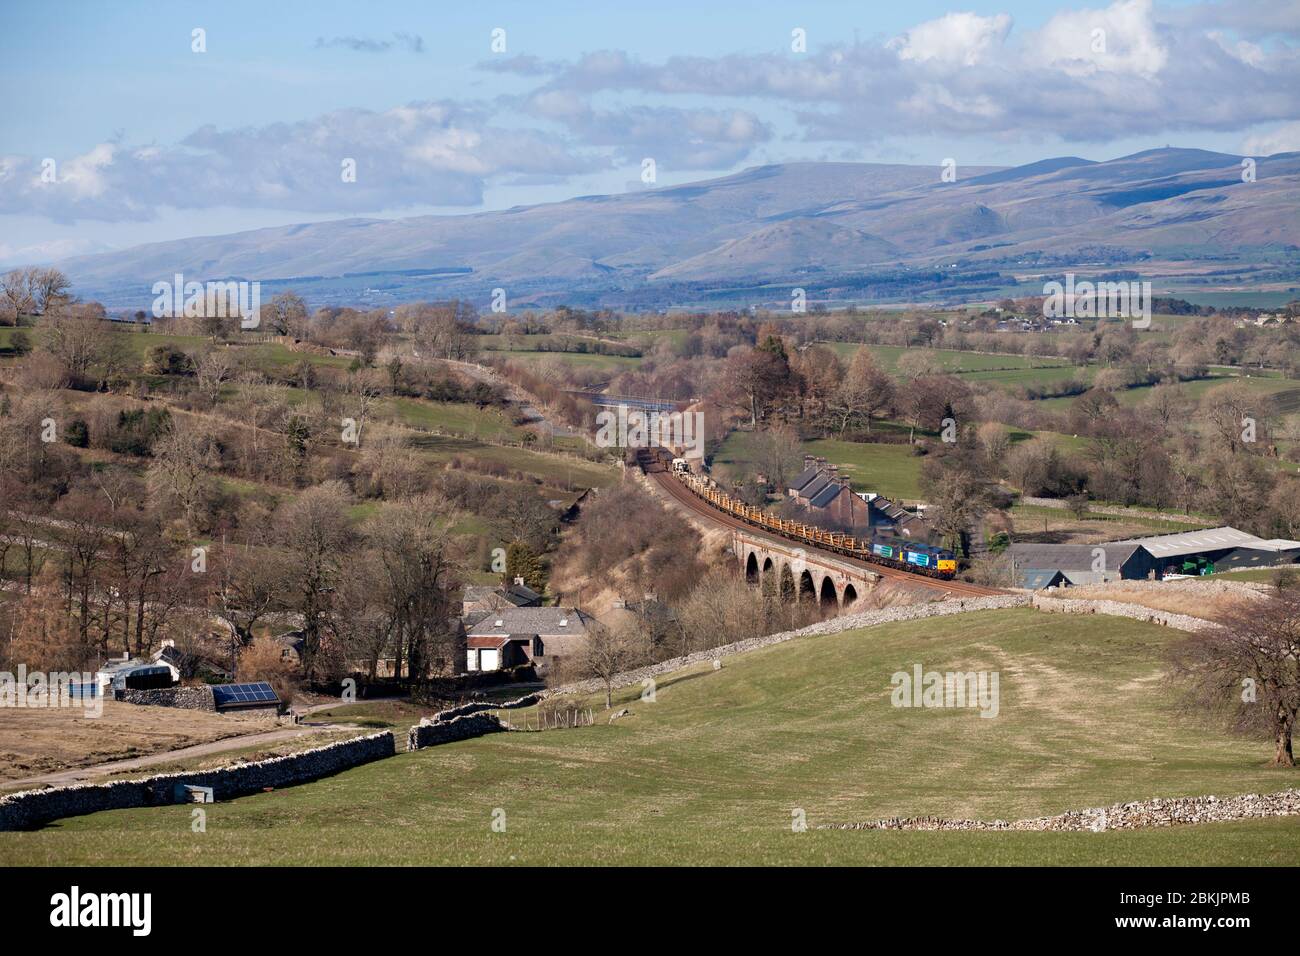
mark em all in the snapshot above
pixel 956 39
pixel 1283 139
pixel 1122 38
pixel 434 153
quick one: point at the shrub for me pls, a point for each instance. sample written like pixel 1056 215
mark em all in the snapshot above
pixel 77 434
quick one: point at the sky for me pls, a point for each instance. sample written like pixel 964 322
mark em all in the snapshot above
pixel 130 122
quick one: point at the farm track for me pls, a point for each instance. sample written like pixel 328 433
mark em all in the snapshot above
pixel 683 496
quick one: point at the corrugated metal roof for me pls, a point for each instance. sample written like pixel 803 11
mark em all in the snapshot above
pixel 1195 542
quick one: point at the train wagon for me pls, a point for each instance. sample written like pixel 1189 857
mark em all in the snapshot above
pixel 910 556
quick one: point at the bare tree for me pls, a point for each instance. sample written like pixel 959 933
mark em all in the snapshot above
pixel 315 531
pixel 212 372
pixel 16 293
pixel 1247 669
pixel 49 289
pixel 182 460
pixel 607 653
pixel 865 390
pixel 79 337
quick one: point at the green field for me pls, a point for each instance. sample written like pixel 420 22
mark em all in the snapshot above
pixel 460 418
pixel 555 470
pixel 711 771
pixel 889 470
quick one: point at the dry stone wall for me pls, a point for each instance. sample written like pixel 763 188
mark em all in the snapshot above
pixel 34 808
pixel 835 625
pixel 430 733
pixel 188 698
pixel 1137 612
pixel 1120 816
pixel 478 707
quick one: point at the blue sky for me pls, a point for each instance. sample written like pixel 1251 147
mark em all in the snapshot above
pixel 152 141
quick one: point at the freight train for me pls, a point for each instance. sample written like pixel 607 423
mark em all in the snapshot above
pixel 895 553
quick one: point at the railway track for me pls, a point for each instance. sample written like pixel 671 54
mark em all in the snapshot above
pixel 680 493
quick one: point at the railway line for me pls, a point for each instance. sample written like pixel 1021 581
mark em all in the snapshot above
pixel 683 495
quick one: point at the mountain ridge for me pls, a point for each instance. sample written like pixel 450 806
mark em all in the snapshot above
pixel 759 226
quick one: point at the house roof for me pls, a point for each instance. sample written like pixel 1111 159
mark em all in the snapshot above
pixel 1209 539
pixel 488 640
pixel 521 594
pixel 1072 557
pixel 517 595
pixel 806 476
pixel 1036 580
pixel 828 493
pixel 815 486
pixel 529 620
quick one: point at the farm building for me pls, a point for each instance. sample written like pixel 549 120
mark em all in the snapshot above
pixel 127 673
pixel 895 520
pixel 508 637
pixel 1216 549
pixel 481 597
pixel 257 698
pixel 1080 563
pixel 1040 580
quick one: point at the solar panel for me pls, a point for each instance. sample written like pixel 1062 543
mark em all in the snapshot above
pixel 259 692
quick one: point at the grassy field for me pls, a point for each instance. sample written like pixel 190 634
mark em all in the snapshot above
pixel 39 741
pixel 461 418
pixel 1031 521
pixel 556 471
pixel 889 470
pixel 713 769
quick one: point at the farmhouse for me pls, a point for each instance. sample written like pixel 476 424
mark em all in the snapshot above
pixel 508 637
pixel 825 494
pixel 823 497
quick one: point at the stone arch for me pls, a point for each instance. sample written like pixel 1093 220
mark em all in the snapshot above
pixel 787 589
pixel 849 596
pixel 769 582
pixel 751 568
pixel 827 597
pixel 807 589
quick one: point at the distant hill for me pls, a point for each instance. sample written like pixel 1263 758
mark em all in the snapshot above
pixel 844 224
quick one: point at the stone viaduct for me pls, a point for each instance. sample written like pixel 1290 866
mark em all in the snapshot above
pixel 799 575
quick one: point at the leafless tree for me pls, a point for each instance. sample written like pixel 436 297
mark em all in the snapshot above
pixel 606 654
pixel 1247 670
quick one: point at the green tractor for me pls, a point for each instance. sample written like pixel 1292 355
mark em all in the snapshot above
pixel 1197 566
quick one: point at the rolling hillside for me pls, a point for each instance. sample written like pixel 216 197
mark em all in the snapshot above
pixel 867 225
pixel 711 771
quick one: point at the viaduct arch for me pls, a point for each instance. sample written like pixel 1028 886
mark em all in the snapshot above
pixel 798 575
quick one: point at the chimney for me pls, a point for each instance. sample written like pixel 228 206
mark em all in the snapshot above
pixel 519 580
pixel 809 460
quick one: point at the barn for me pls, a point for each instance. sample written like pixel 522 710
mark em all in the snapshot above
pixel 1216 549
